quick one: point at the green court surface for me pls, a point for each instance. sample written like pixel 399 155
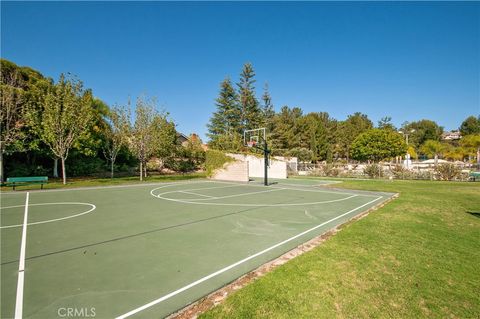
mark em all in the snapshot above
pixel 145 251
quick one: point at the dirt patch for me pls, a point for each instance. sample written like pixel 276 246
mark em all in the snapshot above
pixel 195 309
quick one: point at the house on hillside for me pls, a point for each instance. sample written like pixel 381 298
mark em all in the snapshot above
pixel 451 136
pixel 183 139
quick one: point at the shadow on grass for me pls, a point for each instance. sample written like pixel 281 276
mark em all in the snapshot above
pixel 476 214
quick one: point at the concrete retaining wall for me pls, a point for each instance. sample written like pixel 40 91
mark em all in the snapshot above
pixel 277 169
pixel 235 171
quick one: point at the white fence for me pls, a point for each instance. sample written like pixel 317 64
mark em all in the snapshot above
pixel 416 170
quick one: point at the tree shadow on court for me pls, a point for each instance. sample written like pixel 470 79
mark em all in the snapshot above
pixel 133 235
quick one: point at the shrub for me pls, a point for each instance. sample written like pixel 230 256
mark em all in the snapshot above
pixel 422 175
pixel 185 166
pixel 19 169
pixel 154 164
pixel 214 160
pixel 447 171
pixel 84 166
pixel 330 170
pixel 400 172
pixel 301 153
pixel 373 171
pixel 181 165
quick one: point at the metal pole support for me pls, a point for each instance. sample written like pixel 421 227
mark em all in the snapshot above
pixel 265 155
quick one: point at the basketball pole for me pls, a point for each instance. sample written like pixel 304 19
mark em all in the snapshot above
pixel 266 151
pixel 265 155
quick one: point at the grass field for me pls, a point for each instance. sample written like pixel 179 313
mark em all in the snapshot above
pixel 416 257
pixel 149 249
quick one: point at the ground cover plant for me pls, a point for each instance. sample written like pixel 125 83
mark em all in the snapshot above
pixel 416 257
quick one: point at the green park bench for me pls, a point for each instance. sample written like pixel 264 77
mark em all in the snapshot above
pixel 475 176
pixel 16 181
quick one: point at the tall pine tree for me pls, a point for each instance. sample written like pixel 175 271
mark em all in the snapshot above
pixel 224 126
pixel 267 109
pixel 287 128
pixel 250 113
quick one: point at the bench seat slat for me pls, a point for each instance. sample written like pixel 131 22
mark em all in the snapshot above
pixel 16 181
pixel 27 179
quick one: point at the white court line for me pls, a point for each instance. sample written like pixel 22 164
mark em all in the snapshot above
pixel 190 189
pixel 315 190
pixel 93 207
pixel 281 182
pixel 21 265
pixel 196 194
pixel 250 193
pixel 233 184
pixel 218 272
pixel 221 197
pixel 198 189
pixel 194 181
pixel 198 201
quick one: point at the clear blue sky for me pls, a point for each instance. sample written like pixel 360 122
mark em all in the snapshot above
pixel 405 60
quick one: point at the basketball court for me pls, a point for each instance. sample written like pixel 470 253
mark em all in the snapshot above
pixel 145 251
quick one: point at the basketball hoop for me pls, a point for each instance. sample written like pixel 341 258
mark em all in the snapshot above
pixel 258 136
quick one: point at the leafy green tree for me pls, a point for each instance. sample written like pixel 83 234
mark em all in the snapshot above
pixel 21 88
pixel 145 137
pixel 471 125
pixel 317 134
pixel 301 153
pixel 88 148
pixel 421 131
pixel 165 135
pixel 412 152
pixel 348 131
pixel 471 143
pixel 12 121
pixel 116 134
pixel 65 118
pixel 250 112
pixel 376 145
pixel 433 148
pixel 454 152
pixel 193 153
pixel 92 142
pixel 286 128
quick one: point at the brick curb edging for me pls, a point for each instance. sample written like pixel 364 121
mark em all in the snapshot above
pixel 215 298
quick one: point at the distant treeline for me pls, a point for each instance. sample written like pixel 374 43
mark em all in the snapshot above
pixel 317 136
pixel 50 127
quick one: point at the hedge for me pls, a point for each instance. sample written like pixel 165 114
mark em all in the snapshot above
pixel 214 160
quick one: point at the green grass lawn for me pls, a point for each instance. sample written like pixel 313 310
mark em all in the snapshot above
pixel 92 181
pixel 419 256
